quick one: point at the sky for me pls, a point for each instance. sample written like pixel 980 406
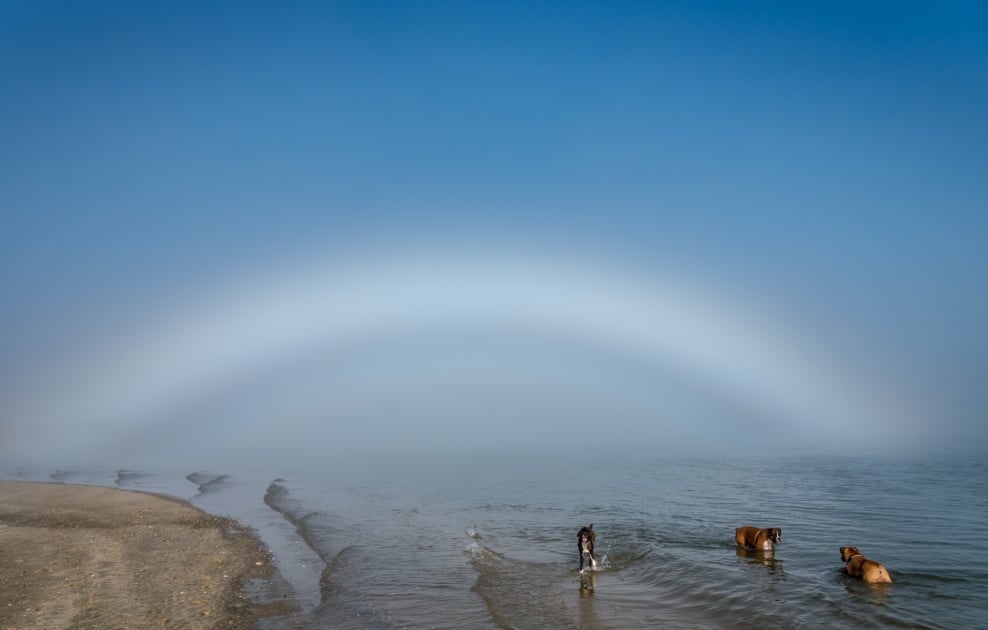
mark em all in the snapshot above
pixel 440 225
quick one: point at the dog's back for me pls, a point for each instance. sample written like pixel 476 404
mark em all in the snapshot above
pixel 745 533
pixel 856 565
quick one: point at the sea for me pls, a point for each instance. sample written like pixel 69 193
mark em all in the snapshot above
pixel 489 540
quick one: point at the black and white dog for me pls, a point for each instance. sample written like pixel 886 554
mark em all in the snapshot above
pixel 584 542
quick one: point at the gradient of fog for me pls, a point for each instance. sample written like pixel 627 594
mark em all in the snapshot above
pixel 383 226
pixel 461 351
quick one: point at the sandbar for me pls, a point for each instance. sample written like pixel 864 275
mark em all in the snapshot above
pixel 91 557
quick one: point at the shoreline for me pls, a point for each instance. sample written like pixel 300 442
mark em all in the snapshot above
pixel 89 556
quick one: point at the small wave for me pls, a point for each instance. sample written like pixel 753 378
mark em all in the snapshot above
pixel 941 578
pixel 86 477
pixel 207 482
pixel 475 548
pixel 126 477
pixel 278 498
pixel 341 561
pixel 275 494
pixel 622 559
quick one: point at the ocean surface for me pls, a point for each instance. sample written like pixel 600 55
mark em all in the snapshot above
pixel 490 542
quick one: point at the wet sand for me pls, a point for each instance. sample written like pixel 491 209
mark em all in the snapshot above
pixel 90 557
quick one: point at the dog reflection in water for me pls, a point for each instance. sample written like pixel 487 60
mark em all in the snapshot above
pixel 764 558
pixel 588 582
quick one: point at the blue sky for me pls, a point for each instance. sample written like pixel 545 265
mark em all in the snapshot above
pixel 819 164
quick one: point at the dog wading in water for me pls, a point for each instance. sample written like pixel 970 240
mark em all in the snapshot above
pixel 856 565
pixel 584 542
pixel 754 538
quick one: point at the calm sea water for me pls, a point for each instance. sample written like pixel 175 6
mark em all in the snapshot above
pixel 490 542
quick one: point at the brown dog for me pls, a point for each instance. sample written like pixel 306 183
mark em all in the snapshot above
pixel 753 538
pixel 858 566
pixel 584 542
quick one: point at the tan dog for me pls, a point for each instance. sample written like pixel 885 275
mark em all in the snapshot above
pixel 762 539
pixel 858 566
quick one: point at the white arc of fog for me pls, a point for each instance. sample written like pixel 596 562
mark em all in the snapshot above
pixel 291 310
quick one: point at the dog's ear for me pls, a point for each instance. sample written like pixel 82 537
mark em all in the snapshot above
pixel 590 526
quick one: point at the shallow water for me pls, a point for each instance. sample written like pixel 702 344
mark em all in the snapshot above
pixel 490 542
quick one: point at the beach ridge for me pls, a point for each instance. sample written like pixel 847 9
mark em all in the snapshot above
pixel 88 556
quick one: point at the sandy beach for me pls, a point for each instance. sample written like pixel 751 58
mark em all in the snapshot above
pixel 90 557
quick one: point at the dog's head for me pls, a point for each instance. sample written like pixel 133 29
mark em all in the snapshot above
pixel 846 553
pixel 775 535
